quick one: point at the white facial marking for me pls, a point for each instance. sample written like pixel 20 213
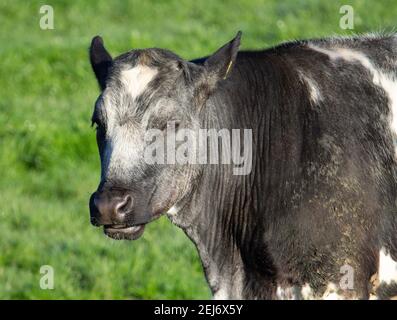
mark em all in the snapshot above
pixel 123 152
pixel 387 82
pixel 387 268
pixel 136 79
pixel 125 145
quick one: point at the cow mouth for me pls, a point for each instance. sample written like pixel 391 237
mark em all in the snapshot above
pixel 124 232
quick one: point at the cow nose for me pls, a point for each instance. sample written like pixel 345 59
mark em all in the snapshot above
pixel 107 211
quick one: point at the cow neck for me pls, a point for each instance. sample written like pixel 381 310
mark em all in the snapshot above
pixel 219 215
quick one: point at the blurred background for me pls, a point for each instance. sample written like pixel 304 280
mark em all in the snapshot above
pixel 48 158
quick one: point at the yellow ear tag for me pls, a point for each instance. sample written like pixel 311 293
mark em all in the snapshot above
pixel 228 69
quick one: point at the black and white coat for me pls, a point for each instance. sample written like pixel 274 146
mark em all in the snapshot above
pixel 320 201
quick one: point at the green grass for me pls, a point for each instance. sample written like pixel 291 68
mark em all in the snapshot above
pixel 48 159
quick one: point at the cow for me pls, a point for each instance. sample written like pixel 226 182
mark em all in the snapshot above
pixel 315 217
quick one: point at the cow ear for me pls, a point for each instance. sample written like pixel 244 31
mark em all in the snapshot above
pixel 100 60
pixel 219 65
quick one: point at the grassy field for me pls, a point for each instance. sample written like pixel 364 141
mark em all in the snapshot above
pixel 49 162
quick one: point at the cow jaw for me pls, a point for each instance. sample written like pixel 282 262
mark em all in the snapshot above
pixel 124 232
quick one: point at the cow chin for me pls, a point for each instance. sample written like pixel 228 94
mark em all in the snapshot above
pixel 124 232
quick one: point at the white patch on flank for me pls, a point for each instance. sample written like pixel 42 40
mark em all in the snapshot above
pixel 288 293
pixel 387 268
pixel 373 297
pixel 307 292
pixel 136 79
pixel 314 91
pixel 386 82
pixel 333 296
pixel 331 293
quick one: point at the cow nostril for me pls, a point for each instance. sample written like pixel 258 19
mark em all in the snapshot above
pixel 125 206
pixel 95 221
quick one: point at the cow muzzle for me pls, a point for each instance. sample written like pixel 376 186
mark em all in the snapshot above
pixel 115 212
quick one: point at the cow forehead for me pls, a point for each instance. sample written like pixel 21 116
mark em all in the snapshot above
pixel 130 89
pixel 132 72
pixel 120 97
pixel 136 79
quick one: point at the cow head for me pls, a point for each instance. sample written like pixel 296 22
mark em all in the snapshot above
pixel 144 90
